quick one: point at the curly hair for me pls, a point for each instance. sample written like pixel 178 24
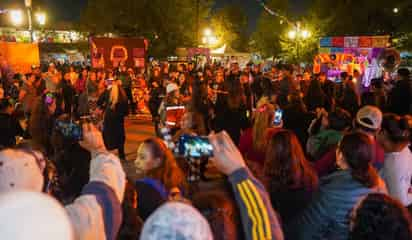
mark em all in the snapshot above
pixel 286 165
pixel 379 217
pixel 169 173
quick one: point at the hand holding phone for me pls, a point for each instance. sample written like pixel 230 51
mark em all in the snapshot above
pixel 227 156
pixel 278 117
pixel 194 146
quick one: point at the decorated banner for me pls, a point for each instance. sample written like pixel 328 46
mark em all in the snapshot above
pixel 351 42
pixel 336 50
pixel 326 42
pixel 355 42
pixel 380 41
pixel 324 50
pixel 193 52
pixel 338 42
pixel 365 51
pixel 111 52
pixel 365 42
pixel 19 56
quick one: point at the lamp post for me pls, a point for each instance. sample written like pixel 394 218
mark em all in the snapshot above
pixel 209 38
pixel 396 10
pixel 16 17
pixel 298 34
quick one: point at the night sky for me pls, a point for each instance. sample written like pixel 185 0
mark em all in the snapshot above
pixel 69 10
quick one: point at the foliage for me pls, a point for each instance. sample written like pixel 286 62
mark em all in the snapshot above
pixel 230 25
pixel 303 50
pixel 266 39
pixel 167 24
pixel 364 17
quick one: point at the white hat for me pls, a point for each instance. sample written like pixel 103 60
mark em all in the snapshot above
pixel 369 117
pixel 19 171
pixel 176 221
pixel 31 215
pixel 171 87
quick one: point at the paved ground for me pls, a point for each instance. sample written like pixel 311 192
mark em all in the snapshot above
pixel 137 129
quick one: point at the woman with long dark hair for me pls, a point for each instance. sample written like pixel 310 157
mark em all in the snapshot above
pixel 296 117
pixel 315 97
pixel 350 100
pixel 42 122
pixel 290 178
pixel 232 116
pixel 373 216
pixel 327 215
pixel 162 175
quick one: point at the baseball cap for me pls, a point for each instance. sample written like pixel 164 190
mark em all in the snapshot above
pixel 171 87
pixel 369 117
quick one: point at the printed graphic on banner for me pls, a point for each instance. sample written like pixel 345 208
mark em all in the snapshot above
pixel 351 42
pixel 326 42
pixel 112 52
pixel 138 57
pixel 338 42
pixel 365 42
pixel 380 41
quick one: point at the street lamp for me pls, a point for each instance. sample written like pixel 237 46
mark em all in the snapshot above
pixel 209 38
pixel 212 40
pixel 292 34
pixel 395 10
pixel 208 32
pixel 305 34
pixel 16 17
pixel 297 34
pixel 41 18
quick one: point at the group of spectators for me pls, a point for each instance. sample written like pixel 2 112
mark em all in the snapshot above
pixel 337 165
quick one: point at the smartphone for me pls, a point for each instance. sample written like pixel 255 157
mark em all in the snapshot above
pixel 278 117
pixel 194 146
pixel 70 130
pixel 174 115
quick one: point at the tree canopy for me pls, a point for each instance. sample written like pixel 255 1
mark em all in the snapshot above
pixel 267 36
pixel 332 18
pixel 230 25
pixel 167 24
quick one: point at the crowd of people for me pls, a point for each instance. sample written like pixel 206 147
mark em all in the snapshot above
pixel 295 154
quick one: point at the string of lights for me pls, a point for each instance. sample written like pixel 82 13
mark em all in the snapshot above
pixel 274 13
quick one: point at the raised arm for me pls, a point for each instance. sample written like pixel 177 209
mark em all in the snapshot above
pixel 259 220
pixel 97 213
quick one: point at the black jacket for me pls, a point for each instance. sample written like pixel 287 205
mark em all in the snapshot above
pixel 9 129
pixel 113 125
pixel 400 98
